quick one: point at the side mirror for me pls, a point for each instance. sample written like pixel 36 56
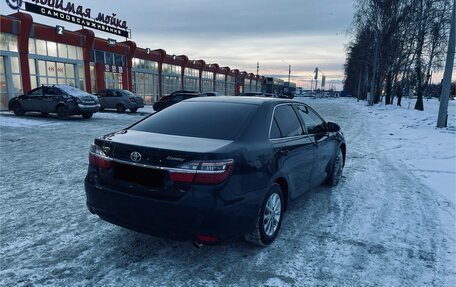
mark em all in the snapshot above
pixel 333 127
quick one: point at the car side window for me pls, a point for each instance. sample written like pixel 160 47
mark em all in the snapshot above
pixel 275 131
pixel 287 121
pixel 36 92
pixel 117 94
pixel 52 92
pixel 109 94
pixel 101 94
pixel 312 121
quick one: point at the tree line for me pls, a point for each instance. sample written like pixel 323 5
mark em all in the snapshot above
pixel 397 46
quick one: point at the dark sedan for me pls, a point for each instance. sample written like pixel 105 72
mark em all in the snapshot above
pixel 59 99
pixel 173 98
pixel 214 168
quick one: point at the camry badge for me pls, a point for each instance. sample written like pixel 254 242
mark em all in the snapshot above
pixel 175 158
pixel 135 156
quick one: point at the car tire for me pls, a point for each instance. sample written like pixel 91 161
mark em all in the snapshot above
pixel 133 110
pixel 18 110
pixel 87 115
pixel 335 174
pixel 269 218
pixel 62 113
pixel 120 108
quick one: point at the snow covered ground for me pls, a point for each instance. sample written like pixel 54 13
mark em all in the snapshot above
pixel 390 222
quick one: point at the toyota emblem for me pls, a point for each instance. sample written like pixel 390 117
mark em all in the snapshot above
pixel 135 156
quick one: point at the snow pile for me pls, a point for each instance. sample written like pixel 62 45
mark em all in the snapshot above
pixel 429 152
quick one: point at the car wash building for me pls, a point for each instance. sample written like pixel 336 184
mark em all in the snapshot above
pixel 33 54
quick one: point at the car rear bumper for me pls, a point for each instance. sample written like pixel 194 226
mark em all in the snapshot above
pixel 184 219
pixel 81 109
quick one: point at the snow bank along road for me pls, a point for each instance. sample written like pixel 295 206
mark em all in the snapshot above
pixel 381 226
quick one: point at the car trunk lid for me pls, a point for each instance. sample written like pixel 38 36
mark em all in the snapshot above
pixel 142 162
pixel 158 149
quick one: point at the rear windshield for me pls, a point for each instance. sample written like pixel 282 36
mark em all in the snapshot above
pixel 128 93
pixel 214 120
pixel 73 91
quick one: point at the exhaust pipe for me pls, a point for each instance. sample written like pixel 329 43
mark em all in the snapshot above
pixel 197 244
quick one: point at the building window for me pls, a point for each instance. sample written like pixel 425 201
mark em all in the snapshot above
pixel 191 84
pixel 141 64
pixel 93 79
pixel 230 82
pixel 8 42
pixel 99 57
pixel 72 52
pixel 171 78
pixel 191 72
pixel 113 80
pixel 247 87
pixel 109 58
pixel 10 79
pixel 207 81
pixel 145 85
pixel 171 69
pixel 53 49
pixel 207 75
pixel 170 84
pixel 49 72
pixel 63 50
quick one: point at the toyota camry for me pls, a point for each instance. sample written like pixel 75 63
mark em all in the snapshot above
pixel 213 169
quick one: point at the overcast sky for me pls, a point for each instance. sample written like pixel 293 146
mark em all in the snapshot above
pixel 238 34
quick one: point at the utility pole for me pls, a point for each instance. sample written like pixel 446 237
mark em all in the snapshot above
pixel 445 95
pixel 258 68
pixel 289 75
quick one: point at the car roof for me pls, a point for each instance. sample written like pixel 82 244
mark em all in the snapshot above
pixel 242 100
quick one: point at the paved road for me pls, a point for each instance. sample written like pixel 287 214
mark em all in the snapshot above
pixel 380 226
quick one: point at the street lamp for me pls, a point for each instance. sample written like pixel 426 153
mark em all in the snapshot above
pixel 289 71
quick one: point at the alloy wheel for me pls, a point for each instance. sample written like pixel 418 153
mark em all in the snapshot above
pixel 272 213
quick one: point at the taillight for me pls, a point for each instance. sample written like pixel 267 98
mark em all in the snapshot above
pixel 98 157
pixel 206 238
pixel 202 172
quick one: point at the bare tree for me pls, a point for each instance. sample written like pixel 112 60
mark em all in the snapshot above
pixel 406 43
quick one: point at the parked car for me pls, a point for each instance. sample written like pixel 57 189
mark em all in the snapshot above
pixel 173 98
pixel 59 99
pixel 211 169
pixel 120 100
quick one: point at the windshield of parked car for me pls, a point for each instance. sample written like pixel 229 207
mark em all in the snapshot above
pixel 73 91
pixel 214 120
